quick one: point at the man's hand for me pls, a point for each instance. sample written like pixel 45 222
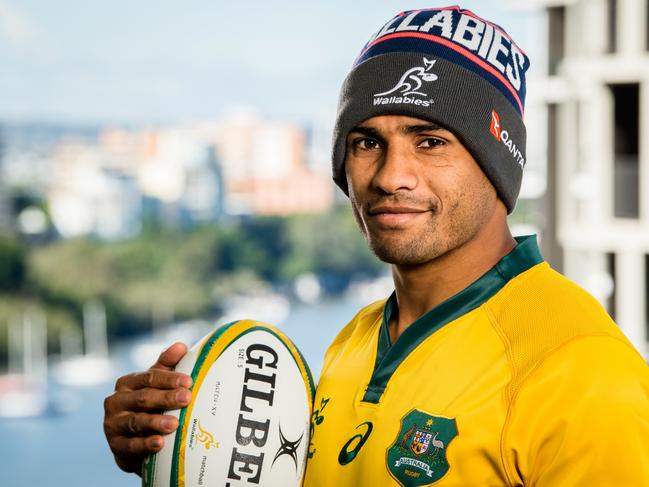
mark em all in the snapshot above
pixel 132 421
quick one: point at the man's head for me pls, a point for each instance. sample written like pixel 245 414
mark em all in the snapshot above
pixel 449 67
pixel 416 192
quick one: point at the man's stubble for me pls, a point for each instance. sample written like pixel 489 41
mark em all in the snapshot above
pixel 447 227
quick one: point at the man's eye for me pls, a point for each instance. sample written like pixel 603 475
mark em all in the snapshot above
pixel 366 144
pixel 429 142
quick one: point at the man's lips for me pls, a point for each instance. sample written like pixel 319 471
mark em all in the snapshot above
pixel 395 209
pixel 395 215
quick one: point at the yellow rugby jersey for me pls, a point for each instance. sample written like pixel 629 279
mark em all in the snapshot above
pixel 520 379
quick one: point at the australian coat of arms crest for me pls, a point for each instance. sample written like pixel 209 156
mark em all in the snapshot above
pixel 418 454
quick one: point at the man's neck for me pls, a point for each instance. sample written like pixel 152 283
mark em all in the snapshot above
pixel 421 288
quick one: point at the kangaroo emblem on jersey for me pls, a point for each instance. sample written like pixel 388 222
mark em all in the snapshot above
pixel 418 454
pixel 413 79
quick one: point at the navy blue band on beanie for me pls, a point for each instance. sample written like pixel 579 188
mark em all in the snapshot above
pixel 451 67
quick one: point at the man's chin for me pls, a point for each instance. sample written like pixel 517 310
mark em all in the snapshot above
pixel 403 254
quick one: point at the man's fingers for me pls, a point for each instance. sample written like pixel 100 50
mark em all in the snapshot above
pixel 144 424
pixel 135 447
pixel 148 400
pixel 170 357
pixel 143 400
pixel 155 378
pixel 132 423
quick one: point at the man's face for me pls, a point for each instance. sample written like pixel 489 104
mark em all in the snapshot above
pixel 416 192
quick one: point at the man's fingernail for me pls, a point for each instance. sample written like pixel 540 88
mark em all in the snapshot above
pixel 182 396
pixel 184 381
pixel 156 442
pixel 167 424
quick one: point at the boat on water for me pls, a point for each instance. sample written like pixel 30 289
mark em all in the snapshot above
pixel 23 390
pixel 94 366
pixel 268 307
pixel 146 351
pixel 20 399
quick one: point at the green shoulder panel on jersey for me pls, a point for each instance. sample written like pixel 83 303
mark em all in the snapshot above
pixel 523 257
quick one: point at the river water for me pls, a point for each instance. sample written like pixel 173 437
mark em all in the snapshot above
pixel 69 449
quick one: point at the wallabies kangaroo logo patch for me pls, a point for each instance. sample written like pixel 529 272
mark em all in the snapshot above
pixel 408 88
pixel 413 79
pixel 418 454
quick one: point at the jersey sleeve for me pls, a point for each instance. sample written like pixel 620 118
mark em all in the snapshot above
pixel 344 334
pixel 581 418
pixel 334 347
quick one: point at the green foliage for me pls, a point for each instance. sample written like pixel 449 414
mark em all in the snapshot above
pixel 133 277
pixel 72 270
pixel 328 243
pixel 188 274
pixel 12 264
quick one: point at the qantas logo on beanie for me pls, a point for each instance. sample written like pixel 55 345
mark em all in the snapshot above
pixel 407 90
pixel 495 125
pixel 502 135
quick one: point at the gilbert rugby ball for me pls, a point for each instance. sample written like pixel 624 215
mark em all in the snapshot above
pixel 248 421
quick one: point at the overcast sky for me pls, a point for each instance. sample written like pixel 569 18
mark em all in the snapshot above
pixel 149 61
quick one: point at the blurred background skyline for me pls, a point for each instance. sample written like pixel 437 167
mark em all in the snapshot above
pixel 157 154
pixel 164 168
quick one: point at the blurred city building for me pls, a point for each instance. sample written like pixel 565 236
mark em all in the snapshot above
pixel 180 176
pixel 597 200
pixel 89 195
pixel 112 184
pixel 268 168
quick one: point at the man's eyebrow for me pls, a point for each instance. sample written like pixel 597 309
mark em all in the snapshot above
pixel 405 129
pixel 417 129
pixel 369 131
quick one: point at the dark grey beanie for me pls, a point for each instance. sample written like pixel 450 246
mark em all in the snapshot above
pixel 450 67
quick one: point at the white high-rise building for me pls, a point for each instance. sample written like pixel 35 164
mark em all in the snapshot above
pixel 596 91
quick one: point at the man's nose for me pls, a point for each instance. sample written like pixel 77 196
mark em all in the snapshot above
pixel 396 170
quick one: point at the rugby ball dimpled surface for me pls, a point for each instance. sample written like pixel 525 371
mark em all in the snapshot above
pixel 248 421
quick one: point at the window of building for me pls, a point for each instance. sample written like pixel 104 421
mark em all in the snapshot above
pixel 626 150
pixel 550 242
pixel 610 267
pixel 612 26
pixel 556 37
pixel 646 290
pixel 646 26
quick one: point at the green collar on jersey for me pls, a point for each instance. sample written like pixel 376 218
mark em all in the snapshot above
pixel 389 356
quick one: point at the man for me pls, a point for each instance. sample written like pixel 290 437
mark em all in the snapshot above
pixel 484 367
